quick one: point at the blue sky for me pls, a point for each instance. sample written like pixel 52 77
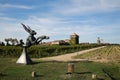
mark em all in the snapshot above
pixel 60 18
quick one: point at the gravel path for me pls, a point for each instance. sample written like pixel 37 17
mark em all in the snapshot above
pixel 68 57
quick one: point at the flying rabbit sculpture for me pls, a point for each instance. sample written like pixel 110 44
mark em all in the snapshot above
pixel 31 40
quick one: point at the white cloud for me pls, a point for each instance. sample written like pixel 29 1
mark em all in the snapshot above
pixel 47 26
pixel 10 28
pixel 6 19
pixel 77 7
pixel 110 5
pixel 60 27
pixel 15 6
pixel 57 28
pixel 1 14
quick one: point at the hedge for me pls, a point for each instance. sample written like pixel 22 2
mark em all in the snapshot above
pixel 43 51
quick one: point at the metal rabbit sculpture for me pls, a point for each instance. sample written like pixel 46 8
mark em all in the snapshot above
pixel 31 40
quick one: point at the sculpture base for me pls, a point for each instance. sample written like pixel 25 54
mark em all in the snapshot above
pixel 24 58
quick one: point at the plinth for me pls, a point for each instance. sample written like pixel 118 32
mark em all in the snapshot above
pixel 24 58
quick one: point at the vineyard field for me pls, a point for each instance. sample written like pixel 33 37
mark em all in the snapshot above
pixel 44 51
pixel 108 54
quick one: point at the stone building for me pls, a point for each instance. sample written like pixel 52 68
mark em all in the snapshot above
pixel 60 42
pixel 74 39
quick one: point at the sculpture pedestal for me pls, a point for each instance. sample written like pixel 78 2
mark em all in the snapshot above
pixel 24 58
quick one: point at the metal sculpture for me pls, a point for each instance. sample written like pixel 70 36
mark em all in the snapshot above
pixel 31 40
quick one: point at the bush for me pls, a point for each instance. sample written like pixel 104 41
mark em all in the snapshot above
pixel 43 51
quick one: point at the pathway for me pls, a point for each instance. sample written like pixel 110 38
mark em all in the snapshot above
pixel 68 57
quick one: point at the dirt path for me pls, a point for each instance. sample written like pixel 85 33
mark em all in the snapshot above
pixel 68 57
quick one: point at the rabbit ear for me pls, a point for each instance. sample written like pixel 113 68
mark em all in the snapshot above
pixel 26 28
pixel 29 28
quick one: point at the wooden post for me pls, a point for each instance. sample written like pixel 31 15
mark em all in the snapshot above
pixel 33 74
pixel 70 67
pixel 94 76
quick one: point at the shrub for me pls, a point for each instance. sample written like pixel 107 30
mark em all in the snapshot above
pixel 43 51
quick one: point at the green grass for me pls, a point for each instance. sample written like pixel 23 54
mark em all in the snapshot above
pixel 109 53
pixel 9 70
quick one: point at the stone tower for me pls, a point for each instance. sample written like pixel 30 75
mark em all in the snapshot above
pixel 74 39
pixel 99 40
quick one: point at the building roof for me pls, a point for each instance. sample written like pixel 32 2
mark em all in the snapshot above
pixel 74 34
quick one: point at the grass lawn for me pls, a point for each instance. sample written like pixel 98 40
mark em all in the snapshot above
pixel 108 53
pixel 9 70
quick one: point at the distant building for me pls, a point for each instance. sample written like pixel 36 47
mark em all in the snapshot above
pixel 74 39
pixel 67 40
pixel 57 42
pixel 60 42
pixel 46 43
pixel 99 40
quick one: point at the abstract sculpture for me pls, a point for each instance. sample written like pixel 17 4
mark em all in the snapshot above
pixel 31 40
